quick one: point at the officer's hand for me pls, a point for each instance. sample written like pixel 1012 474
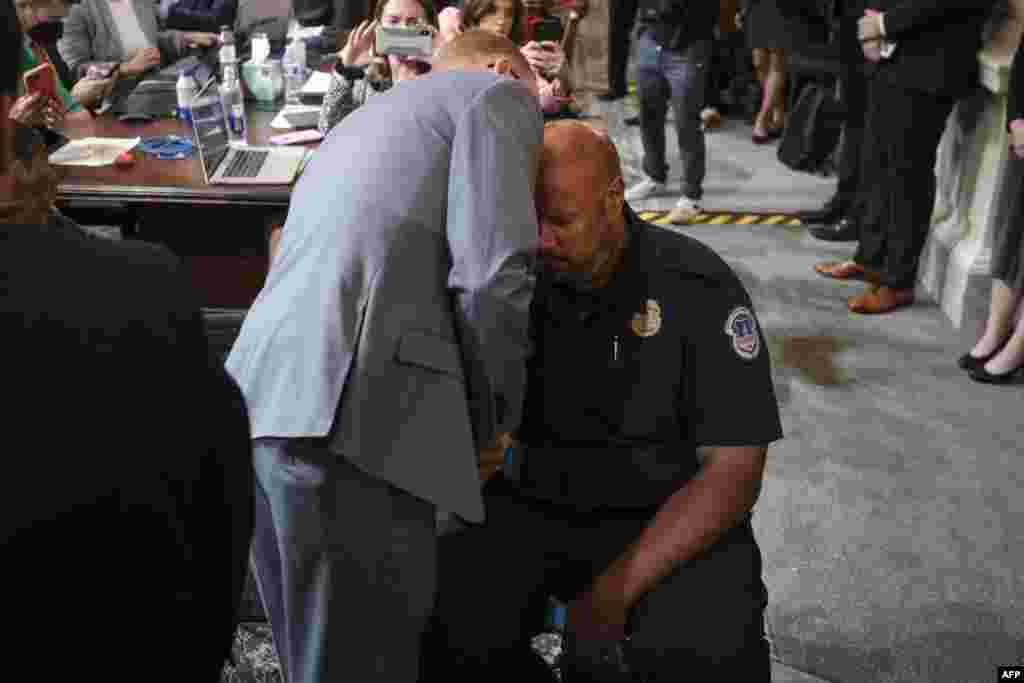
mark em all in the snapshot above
pixel 595 617
pixel 594 640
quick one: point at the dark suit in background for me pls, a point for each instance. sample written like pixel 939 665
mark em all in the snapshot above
pixel 128 499
pixel 910 96
pixel 853 94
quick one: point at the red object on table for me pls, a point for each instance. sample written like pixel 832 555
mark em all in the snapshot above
pixel 125 160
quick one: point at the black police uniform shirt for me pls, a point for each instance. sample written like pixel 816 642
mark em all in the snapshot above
pixel 629 380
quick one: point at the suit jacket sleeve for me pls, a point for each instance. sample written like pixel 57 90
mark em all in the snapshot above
pixel 1015 103
pixel 492 232
pixel 911 15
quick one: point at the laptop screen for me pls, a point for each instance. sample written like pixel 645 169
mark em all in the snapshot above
pixel 210 128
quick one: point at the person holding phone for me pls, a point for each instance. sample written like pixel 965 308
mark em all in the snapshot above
pixel 126 33
pixel 360 72
pixel 42 22
pixel 505 17
pixel 43 101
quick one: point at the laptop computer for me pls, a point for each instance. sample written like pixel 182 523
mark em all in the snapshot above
pixel 227 164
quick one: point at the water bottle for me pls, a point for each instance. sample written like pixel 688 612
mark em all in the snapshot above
pixel 228 54
pixel 294 64
pixel 234 104
pixel 186 89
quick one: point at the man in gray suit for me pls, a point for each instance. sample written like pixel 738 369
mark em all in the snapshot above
pixel 386 349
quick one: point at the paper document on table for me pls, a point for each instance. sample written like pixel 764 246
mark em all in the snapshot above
pixel 92 151
pixel 317 84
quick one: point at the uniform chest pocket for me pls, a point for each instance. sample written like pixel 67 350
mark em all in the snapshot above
pixel 649 376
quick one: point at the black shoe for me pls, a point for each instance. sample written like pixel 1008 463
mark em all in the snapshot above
pixel 832 212
pixel 980 374
pixel 846 230
pixel 611 95
pixel 631 120
pixel 970 363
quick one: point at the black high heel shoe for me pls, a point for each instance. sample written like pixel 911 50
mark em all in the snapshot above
pixel 980 374
pixel 969 363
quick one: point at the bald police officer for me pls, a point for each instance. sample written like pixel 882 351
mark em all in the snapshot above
pixel 629 488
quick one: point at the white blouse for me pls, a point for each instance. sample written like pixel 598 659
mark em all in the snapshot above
pixel 128 28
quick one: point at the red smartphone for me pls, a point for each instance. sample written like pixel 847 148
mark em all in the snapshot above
pixel 42 79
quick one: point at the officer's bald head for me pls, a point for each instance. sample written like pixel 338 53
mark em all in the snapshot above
pixel 585 148
pixel 480 50
pixel 580 200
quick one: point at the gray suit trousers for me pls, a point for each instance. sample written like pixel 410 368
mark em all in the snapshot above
pixel 345 564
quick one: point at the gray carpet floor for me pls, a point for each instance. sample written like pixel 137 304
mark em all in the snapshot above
pixel 892 516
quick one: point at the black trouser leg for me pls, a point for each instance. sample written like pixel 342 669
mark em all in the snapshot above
pixel 907 126
pixel 853 86
pixel 874 160
pixel 492 596
pixel 622 14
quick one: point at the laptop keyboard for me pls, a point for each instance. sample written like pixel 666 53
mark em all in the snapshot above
pixel 245 164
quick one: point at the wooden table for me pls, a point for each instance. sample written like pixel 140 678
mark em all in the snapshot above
pixel 219 231
pixel 155 183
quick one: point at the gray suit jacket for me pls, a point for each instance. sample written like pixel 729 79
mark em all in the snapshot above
pixel 90 35
pixel 395 314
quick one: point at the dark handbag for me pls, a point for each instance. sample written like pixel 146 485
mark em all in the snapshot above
pixel 812 129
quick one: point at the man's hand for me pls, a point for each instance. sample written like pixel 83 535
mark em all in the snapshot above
pixel 595 633
pixel 1017 139
pixel 545 58
pixel 598 615
pixel 450 21
pixel 200 39
pixel 358 49
pixel 869 28
pixel 141 61
pixel 489 460
pixel 90 92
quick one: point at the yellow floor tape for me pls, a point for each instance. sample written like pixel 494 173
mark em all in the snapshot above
pixel 724 218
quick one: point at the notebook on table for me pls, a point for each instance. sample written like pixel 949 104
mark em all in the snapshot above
pixel 225 163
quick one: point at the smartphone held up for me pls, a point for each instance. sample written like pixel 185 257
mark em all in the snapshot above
pixel 402 41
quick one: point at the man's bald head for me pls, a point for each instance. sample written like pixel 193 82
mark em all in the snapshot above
pixel 586 148
pixel 580 200
pixel 479 50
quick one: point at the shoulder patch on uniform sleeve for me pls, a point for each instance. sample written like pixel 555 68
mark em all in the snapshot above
pixel 741 326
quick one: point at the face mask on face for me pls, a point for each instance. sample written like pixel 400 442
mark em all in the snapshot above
pixel 47 33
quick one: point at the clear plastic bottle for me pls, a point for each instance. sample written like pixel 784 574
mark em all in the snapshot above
pixel 228 54
pixel 186 89
pixel 294 66
pixel 234 104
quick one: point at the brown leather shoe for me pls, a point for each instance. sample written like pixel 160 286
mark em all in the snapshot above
pixel 877 300
pixel 843 270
